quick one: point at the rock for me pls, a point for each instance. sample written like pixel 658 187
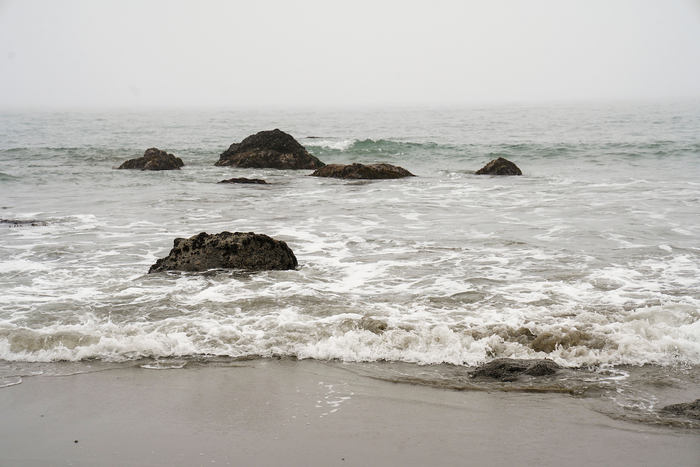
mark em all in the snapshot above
pixel 238 250
pixel 256 181
pixel 269 150
pixel 508 369
pixel 686 409
pixel 154 159
pixel 361 171
pixel 499 166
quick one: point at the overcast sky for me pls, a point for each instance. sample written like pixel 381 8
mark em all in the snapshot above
pixel 345 53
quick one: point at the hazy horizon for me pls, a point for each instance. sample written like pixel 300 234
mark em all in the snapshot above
pixel 312 54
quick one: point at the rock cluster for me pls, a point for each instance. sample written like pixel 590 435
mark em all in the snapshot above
pixel 254 252
pixel 508 369
pixel 269 149
pixel 363 172
pixel 226 250
pixel 499 166
pixel 154 159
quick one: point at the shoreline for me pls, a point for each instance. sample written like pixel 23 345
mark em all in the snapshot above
pixel 308 412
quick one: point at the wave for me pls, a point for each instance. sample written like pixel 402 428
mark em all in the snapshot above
pixel 98 156
pixel 389 146
pixel 374 146
pixel 664 335
pixel 383 149
pixel 4 177
pixel 338 145
pixel 345 150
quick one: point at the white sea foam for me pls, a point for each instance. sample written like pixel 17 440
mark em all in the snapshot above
pixel 22 265
pixel 164 365
pixel 342 145
pixel 10 381
pixel 662 334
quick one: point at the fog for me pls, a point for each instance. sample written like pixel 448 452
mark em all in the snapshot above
pixel 362 53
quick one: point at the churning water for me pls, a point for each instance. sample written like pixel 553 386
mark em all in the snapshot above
pixel 591 258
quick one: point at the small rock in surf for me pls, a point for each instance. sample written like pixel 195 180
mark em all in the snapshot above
pixel 273 149
pixel 154 159
pixel 686 409
pixel 226 250
pixel 243 180
pixel 362 172
pixel 499 166
pixel 508 369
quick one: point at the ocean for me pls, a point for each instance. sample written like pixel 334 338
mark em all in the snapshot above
pixel 591 258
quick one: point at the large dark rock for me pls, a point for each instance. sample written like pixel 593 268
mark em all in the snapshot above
pixel 254 181
pixel 508 369
pixel 238 250
pixel 361 171
pixel 686 409
pixel 499 166
pixel 269 150
pixel 154 159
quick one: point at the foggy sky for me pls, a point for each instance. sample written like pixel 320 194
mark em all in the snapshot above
pixel 352 53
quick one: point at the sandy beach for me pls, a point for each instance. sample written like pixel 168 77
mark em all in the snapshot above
pixel 305 413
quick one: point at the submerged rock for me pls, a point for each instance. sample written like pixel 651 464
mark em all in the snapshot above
pixel 364 172
pixel 20 223
pixel 499 166
pixel 238 250
pixel 154 159
pixel 508 369
pixel 244 180
pixel 376 326
pixel 269 150
pixel 686 409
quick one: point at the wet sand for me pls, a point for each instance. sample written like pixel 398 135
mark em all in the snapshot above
pixel 309 413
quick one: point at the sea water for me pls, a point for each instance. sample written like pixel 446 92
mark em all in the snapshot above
pixel 591 258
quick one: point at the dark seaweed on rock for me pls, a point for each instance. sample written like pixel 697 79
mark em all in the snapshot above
pixel 508 369
pixel 362 172
pixel 273 149
pixel 226 250
pixel 154 159
pixel 499 166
